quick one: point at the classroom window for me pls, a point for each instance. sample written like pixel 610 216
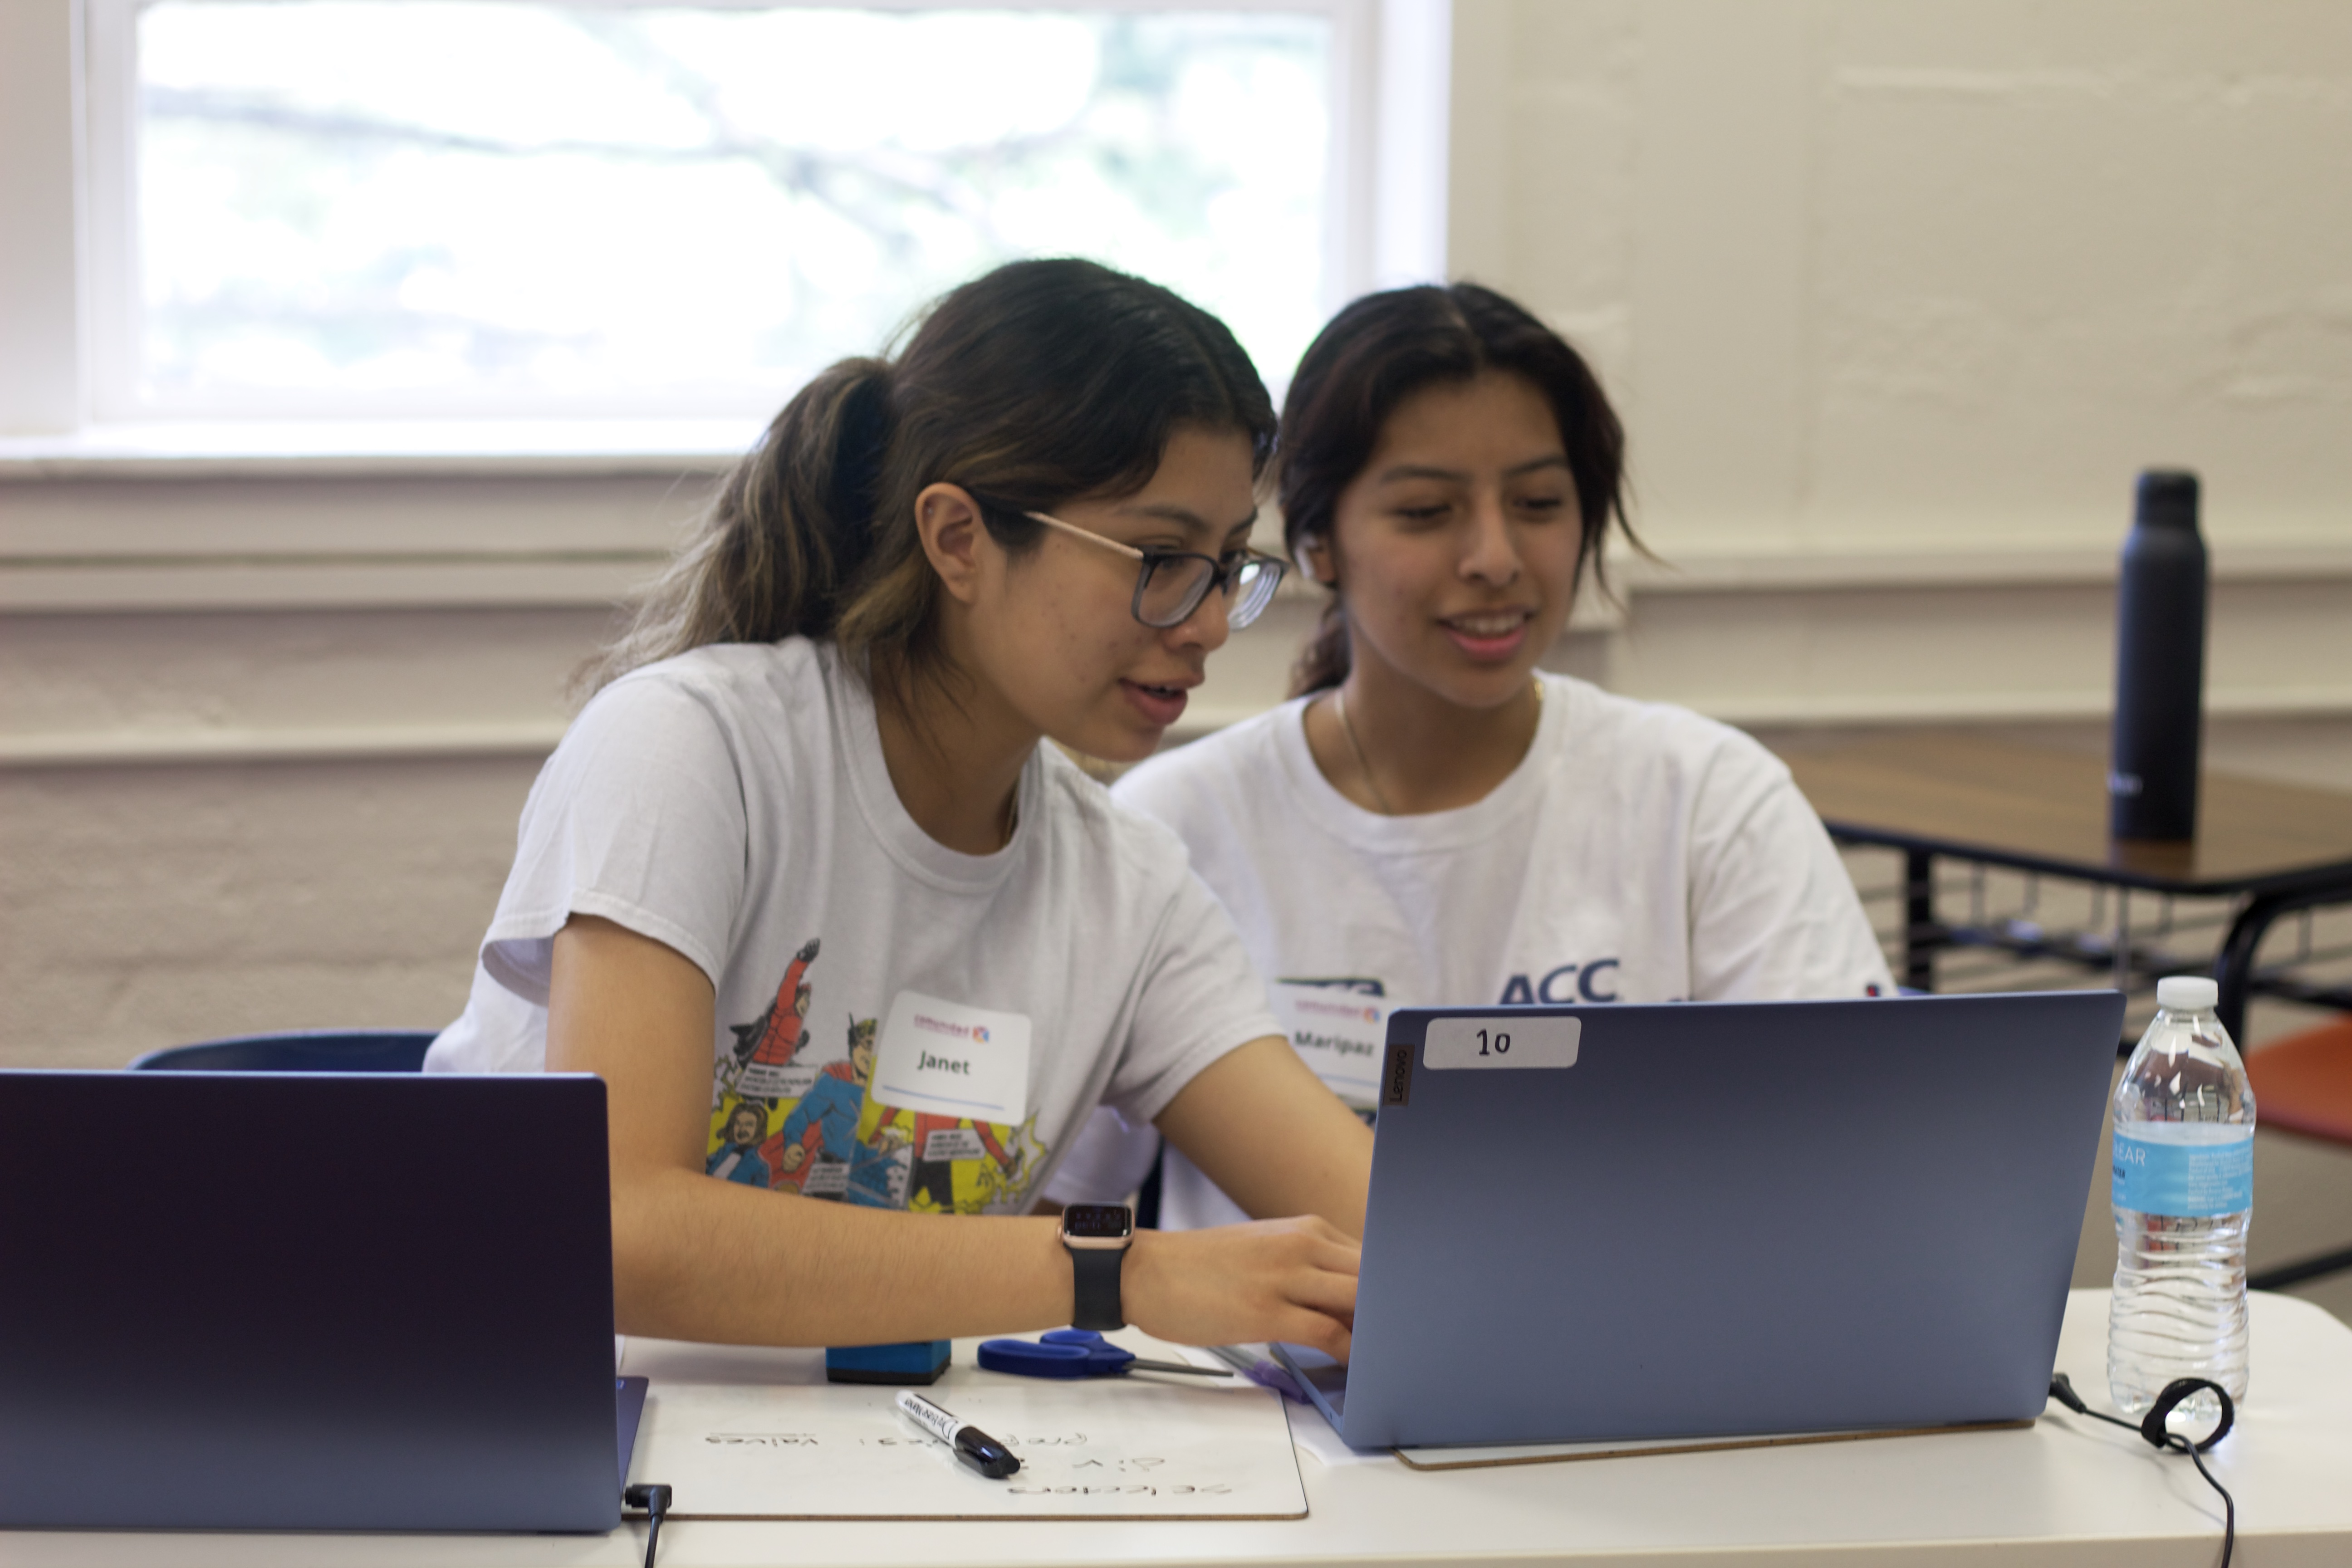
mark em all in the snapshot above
pixel 363 208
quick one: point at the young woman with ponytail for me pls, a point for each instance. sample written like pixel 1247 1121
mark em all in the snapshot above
pixel 1433 819
pixel 803 884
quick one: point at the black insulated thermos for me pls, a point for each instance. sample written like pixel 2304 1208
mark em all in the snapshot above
pixel 2159 665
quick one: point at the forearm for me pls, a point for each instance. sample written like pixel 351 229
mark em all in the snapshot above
pixel 1323 1169
pixel 1265 1130
pixel 698 1260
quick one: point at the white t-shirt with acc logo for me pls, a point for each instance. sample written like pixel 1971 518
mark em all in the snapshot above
pixel 1639 853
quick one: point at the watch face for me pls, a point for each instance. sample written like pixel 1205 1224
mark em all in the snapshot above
pixel 1097 1222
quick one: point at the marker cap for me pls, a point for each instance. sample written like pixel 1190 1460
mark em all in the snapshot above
pixel 985 1454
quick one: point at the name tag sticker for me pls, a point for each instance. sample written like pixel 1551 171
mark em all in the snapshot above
pixel 952 1059
pixel 1340 1034
pixel 1501 1040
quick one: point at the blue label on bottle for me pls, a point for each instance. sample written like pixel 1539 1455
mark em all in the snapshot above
pixel 2189 1181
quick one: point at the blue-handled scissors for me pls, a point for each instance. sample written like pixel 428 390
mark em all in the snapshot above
pixel 1075 1352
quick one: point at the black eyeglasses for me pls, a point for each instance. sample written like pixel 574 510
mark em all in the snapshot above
pixel 1172 583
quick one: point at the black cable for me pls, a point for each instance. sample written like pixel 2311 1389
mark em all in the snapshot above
pixel 655 1501
pixel 2152 1427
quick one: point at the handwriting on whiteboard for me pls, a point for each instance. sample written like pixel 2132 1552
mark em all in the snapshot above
pixel 811 1440
pixel 1101 1482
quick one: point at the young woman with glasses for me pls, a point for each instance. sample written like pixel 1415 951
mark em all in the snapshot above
pixel 1433 819
pixel 803 885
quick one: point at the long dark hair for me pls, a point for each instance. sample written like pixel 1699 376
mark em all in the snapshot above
pixel 1382 349
pixel 1038 384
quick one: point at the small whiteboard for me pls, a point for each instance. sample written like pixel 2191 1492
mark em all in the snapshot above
pixel 739 1432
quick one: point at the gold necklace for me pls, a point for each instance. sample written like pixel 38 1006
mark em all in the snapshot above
pixel 1339 705
pixel 1347 728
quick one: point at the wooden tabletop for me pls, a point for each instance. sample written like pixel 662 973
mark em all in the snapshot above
pixel 1963 793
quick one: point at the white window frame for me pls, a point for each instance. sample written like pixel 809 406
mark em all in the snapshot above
pixel 69 324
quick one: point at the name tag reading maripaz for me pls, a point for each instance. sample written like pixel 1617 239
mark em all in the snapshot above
pixel 952 1059
pixel 1340 1034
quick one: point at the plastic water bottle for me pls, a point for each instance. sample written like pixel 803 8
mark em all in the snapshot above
pixel 2184 1191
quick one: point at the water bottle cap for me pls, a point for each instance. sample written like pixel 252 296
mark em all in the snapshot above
pixel 2187 993
pixel 2167 499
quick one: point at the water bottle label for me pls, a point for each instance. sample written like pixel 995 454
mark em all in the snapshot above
pixel 2189 1181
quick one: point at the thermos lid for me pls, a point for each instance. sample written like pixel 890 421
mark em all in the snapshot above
pixel 2168 497
pixel 2187 993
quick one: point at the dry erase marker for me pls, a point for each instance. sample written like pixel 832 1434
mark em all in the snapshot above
pixel 973 1445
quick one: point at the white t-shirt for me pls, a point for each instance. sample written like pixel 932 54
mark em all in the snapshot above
pixel 898 1025
pixel 1639 853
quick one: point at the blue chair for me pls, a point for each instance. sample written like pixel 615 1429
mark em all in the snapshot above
pixel 298 1050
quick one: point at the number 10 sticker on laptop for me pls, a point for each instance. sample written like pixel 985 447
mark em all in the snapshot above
pixel 952 1059
pixel 1501 1040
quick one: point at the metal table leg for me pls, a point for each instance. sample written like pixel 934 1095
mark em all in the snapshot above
pixel 1919 929
pixel 2233 966
pixel 2288 1274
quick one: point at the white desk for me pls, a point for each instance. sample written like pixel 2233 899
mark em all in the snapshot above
pixel 2065 1491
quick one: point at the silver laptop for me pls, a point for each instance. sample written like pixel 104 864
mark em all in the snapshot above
pixel 1592 1224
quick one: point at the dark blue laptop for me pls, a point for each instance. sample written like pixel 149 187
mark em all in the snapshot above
pixel 308 1302
pixel 1716 1219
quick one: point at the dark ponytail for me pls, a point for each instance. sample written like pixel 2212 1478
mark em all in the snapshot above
pixel 1041 383
pixel 1382 349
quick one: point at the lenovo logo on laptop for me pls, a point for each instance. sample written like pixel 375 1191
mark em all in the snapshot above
pixel 1396 1084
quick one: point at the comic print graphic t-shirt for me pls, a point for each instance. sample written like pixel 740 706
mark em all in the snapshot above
pixel 1639 853
pixel 898 1025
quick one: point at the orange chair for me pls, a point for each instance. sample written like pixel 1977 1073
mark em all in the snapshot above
pixel 2304 1084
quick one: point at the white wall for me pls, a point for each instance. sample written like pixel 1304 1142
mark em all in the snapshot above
pixel 1932 275
pixel 1897 298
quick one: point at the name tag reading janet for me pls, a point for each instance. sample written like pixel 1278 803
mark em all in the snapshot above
pixel 952 1059
pixel 1337 1033
pixel 1501 1040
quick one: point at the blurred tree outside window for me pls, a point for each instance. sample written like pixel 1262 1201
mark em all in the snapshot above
pixel 365 208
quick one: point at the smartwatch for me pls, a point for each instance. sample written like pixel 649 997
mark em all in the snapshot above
pixel 1097 1237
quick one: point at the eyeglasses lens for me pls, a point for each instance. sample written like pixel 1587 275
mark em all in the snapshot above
pixel 1174 585
pixel 1172 588
pixel 1253 587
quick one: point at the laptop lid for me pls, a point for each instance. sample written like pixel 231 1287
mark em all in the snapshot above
pixel 1718 1218
pixel 306 1302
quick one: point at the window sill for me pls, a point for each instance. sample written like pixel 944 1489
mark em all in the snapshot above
pixel 385 449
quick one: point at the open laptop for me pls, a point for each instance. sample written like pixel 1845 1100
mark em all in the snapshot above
pixel 1712 1219
pixel 308 1302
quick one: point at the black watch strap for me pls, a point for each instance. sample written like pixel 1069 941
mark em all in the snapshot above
pixel 1096 1270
